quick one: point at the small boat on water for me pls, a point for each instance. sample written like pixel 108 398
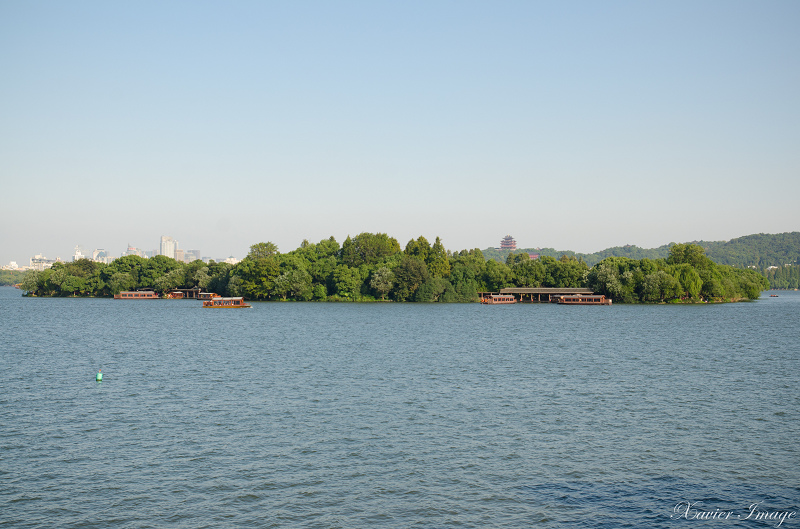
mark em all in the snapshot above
pixel 583 300
pixel 498 299
pixel 225 303
pixel 773 295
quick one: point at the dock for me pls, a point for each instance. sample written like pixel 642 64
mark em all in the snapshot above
pixel 539 294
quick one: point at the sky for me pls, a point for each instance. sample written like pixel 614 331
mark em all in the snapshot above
pixel 578 125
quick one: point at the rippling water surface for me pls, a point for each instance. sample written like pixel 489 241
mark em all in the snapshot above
pixel 395 415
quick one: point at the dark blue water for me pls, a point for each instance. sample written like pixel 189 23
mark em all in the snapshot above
pixel 396 415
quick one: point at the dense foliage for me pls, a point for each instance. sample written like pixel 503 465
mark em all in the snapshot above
pixel 758 251
pixel 11 277
pixel 372 266
pixel 686 275
pixel 591 259
pixel 784 276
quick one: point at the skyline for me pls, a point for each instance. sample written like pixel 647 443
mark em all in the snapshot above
pixel 87 251
pixel 575 126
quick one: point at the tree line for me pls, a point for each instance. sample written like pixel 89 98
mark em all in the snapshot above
pixel 11 277
pixel 759 250
pixel 784 277
pixel 687 274
pixel 373 267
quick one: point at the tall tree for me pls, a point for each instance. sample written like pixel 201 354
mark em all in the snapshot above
pixel 263 250
pixel 419 248
pixel 409 275
pixel 438 261
pixel 368 248
pixel 382 281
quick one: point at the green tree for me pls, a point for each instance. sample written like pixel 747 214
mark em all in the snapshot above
pixel 121 281
pixel 419 248
pixel 257 276
pixel 660 286
pixel 382 281
pixel 30 283
pixel 294 283
pixel 409 275
pixel 438 261
pixel 689 279
pixel 347 281
pixel 73 285
pixel 263 250
pixel 690 254
pixel 169 281
pixel 368 248
pixel 528 273
pixel 513 259
pixel 433 290
pixel 497 275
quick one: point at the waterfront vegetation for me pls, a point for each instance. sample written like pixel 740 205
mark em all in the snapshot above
pixel 373 267
pixel 759 251
pixel 783 277
pixel 11 277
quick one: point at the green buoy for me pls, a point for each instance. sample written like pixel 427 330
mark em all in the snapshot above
pixel 99 376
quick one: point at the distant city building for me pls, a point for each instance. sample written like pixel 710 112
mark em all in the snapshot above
pixel 132 250
pixel 179 255
pixel 191 255
pixel 101 256
pixel 40 262
pixel 508 243
pixel 11 266
pixel 168 246
pixel 77 256
pixel 231 260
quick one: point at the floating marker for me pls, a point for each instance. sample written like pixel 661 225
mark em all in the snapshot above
pixel 99 376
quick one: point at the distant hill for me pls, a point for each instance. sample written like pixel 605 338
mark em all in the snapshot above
pixel 760 250
pixel 633 252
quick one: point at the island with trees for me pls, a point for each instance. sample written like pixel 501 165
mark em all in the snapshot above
pixel 373 267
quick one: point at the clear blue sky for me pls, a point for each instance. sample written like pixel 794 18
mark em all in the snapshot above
pixel 576 125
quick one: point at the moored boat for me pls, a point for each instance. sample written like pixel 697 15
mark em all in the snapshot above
pixel 579 299
pixel 498 299
pixel 225 303
pixel 138 294
pixel 208 295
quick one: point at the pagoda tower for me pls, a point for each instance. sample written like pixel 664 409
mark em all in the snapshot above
pixel 508 243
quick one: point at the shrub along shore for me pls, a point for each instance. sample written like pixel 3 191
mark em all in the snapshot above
pixel 373 267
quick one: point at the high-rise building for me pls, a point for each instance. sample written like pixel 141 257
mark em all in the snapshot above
pixel 168 246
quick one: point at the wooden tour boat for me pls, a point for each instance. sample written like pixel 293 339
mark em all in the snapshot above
pixel 498 299
pixel 583 300
pixel 208 295
pixel 225 303
pixel 141 294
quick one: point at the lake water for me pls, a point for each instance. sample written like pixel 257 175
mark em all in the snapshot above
pixel 326 415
